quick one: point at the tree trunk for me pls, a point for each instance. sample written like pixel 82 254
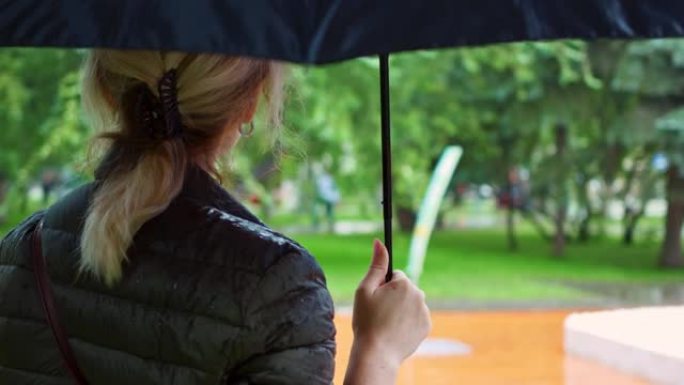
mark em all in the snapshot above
pixel 671 252
pixel 583 233
pixel 631 214
pixel 605 196
pixel 628 235
pixel 406 217
pixel 630 225
pixel 631 219
pixel 584 228
pixel 559 237
pixel 533 218
pixel 440 223
pixel 509 178
pixel 510 229
pixel 561 139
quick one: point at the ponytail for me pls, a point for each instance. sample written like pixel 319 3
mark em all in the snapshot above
pixel 124 201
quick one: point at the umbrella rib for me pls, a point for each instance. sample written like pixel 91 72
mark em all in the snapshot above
pixel 314 48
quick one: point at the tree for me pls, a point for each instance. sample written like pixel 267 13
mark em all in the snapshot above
pixel 39 113
pixel 671 127
pixel 654 70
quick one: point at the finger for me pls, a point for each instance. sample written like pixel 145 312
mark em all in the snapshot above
pixel 378 268
pixel 428 319
pixel 398 275
pixel 399 279
pixel 421 294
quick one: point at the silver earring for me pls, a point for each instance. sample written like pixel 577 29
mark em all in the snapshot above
pixel 247 129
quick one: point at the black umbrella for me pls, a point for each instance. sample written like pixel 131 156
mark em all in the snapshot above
pixel 323 31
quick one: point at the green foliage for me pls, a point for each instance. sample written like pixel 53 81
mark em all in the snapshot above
pixel 500 102
pixel 39 110
pixel 41 121
pixel 475 97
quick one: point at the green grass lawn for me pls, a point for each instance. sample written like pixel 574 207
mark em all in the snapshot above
pixel 474 266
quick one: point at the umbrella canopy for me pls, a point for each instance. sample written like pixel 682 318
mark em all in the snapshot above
pixel 324 31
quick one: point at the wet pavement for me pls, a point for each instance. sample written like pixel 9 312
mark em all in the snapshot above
pixel 493 348
pixel 632 293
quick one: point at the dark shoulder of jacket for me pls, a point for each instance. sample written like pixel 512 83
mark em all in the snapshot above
pixel 69 213
pixel 63 215
pixel 17 239
pixel 226 237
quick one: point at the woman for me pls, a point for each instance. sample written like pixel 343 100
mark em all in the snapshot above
pixel 160 276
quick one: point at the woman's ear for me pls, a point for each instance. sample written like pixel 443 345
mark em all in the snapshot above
pixel 252 105
pixel 251 110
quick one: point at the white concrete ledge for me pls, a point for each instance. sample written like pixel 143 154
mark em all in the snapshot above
pixel 645 342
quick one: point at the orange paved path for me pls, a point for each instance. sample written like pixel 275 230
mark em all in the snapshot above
pixel 508 348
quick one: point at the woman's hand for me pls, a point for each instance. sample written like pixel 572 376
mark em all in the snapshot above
pixel 390 320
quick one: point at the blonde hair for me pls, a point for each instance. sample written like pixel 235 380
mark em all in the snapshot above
pixel 140 175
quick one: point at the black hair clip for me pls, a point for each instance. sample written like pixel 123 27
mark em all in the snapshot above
pixel 160 117
pixel 168 95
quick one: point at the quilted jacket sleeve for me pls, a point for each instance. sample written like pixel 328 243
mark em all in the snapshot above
pixel 293 322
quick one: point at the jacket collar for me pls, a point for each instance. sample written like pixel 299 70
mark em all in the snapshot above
pixel 202 188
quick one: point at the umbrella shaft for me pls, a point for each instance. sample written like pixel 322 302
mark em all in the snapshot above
pixel 386 158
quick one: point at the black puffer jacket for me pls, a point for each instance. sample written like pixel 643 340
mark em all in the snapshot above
pixel 210 296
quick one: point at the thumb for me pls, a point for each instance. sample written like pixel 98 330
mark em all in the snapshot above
pixel 378 268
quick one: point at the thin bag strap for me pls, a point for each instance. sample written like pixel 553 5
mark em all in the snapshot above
pixel 48 300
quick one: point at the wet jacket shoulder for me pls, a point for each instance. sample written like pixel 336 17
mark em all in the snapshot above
pixel 209 296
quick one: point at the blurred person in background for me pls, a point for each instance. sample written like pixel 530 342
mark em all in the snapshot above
pixel 327 196
pixel 49 180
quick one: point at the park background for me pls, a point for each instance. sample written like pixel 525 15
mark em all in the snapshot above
pixel 569 194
